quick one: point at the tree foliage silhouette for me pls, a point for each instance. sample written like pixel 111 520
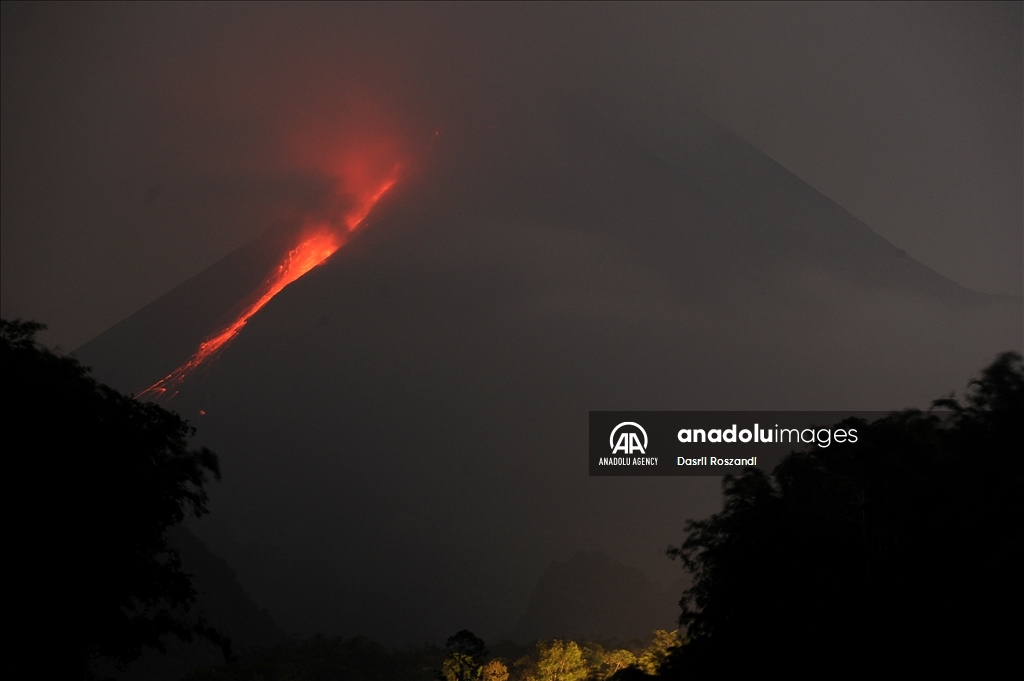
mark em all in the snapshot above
pixel 903 550
pixel 95 478
pixel 465 658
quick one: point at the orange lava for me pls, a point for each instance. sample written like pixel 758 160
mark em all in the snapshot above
pixel 317 243
pixel 355 217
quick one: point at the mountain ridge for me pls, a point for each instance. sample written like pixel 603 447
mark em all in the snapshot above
pixel 403 430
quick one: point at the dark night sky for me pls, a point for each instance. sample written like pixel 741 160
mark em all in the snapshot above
pixel 141 144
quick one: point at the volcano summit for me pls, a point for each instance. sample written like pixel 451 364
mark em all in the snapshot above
pixel 403 430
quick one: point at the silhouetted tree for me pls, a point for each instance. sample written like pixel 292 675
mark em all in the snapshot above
pixel 903 551
pixel 93 480
pixel 465 658
pixel 467 643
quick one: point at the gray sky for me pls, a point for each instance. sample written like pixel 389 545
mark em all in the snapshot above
pixel 141 144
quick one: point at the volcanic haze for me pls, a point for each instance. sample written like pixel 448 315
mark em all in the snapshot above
pixel 645 206
pixel 403 430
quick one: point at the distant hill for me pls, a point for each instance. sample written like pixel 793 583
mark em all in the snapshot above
pixel 590 596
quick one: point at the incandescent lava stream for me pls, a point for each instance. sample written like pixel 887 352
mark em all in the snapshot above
pixel 318 240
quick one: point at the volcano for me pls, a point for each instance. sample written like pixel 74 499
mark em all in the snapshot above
pixel 403 429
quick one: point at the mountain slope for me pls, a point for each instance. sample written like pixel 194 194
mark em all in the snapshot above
pixel 403 430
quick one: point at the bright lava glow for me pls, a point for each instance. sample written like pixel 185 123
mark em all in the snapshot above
pixel 317 244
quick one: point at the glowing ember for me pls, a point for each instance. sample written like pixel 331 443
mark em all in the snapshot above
pixel 317 244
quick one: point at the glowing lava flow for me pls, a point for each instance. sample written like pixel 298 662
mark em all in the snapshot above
pixel 317 244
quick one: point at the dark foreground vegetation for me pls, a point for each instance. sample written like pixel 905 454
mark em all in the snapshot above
pixel 93 481
pixel 901 553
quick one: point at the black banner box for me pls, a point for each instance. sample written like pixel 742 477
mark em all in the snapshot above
pixel 712 442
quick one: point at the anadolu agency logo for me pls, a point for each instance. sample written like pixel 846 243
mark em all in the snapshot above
pixel 690 443
pixel 628 441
